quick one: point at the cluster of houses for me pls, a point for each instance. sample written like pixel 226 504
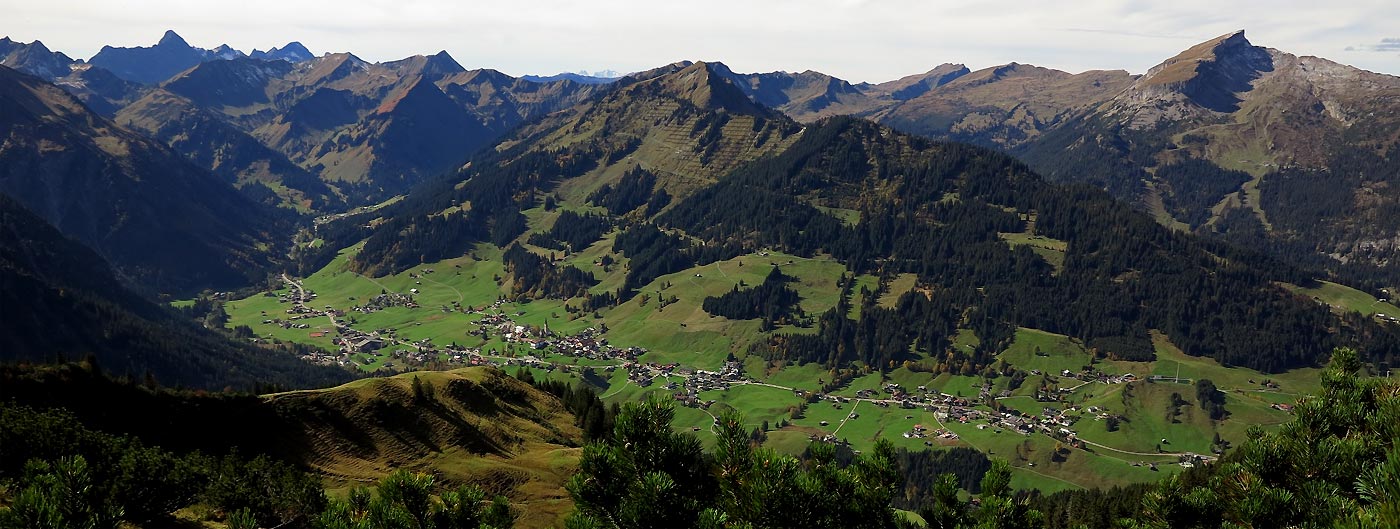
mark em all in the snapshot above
pixel 296 297
pixel 693 381
pixel 920 432
pixel 1052 422
pixel 288 323
pixel 302 311
pixel 384 301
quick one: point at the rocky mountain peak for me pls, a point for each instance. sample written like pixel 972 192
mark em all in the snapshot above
pixel 1210 77
pixel 172 39
pixel 295 51
pixel 34 58
pixel 705 85
pixel 443 63
pixel 226 52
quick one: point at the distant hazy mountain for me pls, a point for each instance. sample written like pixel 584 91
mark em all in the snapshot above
pixel 153 64
pixel 34 59
pixel 367 128
pixel 226 52
pixel 162 221
pixel 581 77
pixel 293 52
pixel 98 88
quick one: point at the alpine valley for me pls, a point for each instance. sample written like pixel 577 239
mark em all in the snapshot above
pixel 240 287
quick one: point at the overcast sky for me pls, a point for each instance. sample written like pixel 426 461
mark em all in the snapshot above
pixel 858 40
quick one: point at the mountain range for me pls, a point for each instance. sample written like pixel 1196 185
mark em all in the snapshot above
pixel 1033 250
pixel 1243 113
pixel 1216 140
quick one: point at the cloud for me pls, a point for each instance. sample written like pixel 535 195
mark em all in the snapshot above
pixel 1387 44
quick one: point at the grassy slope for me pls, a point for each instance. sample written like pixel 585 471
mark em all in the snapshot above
pixel 1347 299
pixel 481 427
pixel 1052 250
pixel 684 332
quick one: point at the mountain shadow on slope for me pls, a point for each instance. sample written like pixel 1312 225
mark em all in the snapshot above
pixel 61 301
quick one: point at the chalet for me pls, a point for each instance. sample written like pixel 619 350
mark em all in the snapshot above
pixel 366 344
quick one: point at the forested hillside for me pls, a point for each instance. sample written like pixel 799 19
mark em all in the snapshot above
pixel 167 225
pixel 62 302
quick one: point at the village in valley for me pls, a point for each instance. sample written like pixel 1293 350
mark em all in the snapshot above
pixel 537 347
pixel 421 320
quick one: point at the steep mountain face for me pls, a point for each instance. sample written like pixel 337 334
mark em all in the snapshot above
pixel 208 141
pixel 386 124
pixel 151 65
pixel 1206 77
pixel 415 132
pixel 163 222
pixel 1295 155
pixel 293 52
pixel 34 59
pixel 61 300
pixel 688 124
